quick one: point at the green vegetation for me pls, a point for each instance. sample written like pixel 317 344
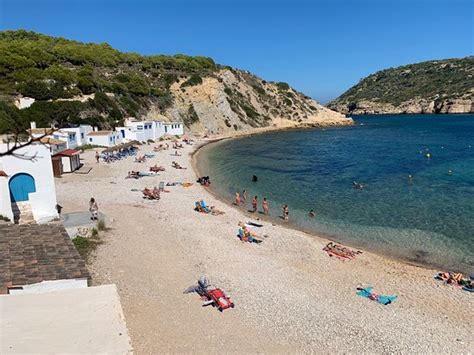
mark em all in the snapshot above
pixel 53 68
pixel 192 81
pixel 4 218
pixel 101 225
pixel 443 79
pixel 86 246
pixel 283 86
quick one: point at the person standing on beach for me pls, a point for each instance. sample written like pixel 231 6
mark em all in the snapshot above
pixel 97 156
pixel 265 206
pixel 237 199
pixel 93 209
pixel 254 204
pixel 285 212
pixel 244 196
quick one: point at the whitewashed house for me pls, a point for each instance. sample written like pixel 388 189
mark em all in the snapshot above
pixel 104 138
pixel 135 130
pixel 70 160
pixel 173 128
pixel 80 132
pixel 54 145
pixel 27 191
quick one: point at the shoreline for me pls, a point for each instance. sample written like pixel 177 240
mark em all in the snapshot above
pixel 289 294
pixel 291 226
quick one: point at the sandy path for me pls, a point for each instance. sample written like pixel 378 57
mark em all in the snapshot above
pixel 289 295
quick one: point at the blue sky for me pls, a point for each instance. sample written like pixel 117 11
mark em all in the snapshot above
pixel 320 47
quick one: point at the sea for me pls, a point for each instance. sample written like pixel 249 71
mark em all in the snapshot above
pixel 416 172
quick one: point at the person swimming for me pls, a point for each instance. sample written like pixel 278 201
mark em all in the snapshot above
pixel 254 178
pixel 357 185
pixel 312 213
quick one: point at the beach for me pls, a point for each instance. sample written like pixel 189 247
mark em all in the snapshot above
pixel 289 295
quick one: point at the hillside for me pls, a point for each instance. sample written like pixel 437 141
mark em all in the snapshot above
pixel 75 82
pixel 439 86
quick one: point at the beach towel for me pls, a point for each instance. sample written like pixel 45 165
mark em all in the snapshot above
pixel 382 299
pixel 204 207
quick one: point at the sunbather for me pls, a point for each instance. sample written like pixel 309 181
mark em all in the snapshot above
pixel 246 235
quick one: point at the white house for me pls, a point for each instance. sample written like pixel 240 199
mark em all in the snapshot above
pixel 104 138
pixel 172 128
pixel 70 160
pixel 81 133
pixel 27 190
pixel 134 130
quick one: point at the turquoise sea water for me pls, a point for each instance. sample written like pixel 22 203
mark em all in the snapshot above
pixel 428 219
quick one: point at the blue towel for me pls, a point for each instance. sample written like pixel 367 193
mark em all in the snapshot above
pixel 382 299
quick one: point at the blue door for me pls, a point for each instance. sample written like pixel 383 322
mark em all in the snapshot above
pixel 20 186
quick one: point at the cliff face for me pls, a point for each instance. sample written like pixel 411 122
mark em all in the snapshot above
pixel 444 86
pixel 234 100
pixel 75 82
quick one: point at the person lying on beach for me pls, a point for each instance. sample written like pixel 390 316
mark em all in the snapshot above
pixel 133 175
pixel 215 211
pixel 204 181
pixel 176 165
pixel 156 168
pixel 452 278
pixel 141 159
pixel 339 251
pixel 246 235
pixel 151 194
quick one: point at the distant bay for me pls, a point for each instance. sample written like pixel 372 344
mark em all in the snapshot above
pixel 427 219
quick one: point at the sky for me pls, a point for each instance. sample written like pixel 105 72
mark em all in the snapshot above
pixel 320 47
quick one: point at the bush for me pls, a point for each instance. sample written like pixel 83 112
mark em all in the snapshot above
pixel 191 117
pixel 283 86
pixel 101 225
pixel 192 81
pixel 86 246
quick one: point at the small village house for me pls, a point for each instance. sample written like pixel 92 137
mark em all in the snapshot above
pixel 80 132
pixel 135 130
pixel 68 137
pixel 70 160
pixel 27 190
pixel 173 128
pixel 104 138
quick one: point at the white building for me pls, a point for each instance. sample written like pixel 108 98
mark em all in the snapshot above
pixel 27 192
pixel 54 145
pixel 70 160
pixel 134 130
pixel 172 128
pixel 80 132
pixel 104 138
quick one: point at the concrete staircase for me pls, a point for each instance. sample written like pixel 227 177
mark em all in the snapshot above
pixel 22 213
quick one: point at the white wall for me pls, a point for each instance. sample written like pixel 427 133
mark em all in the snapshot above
pixel 174 129
pixel 105 140
pixel 48 286
pixel 36 161
pixel 81 133
pixel 5 203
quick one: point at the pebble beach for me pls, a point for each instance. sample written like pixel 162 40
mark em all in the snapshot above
pixel 289 295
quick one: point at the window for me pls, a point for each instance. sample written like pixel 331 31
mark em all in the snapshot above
pixel 110 139
pixel 82 135
pixel 140 128
pixel 90 139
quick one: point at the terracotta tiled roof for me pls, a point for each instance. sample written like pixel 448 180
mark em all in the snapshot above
pixel 67 153
pixel 52 141
pixel 33 253
pixel 99 133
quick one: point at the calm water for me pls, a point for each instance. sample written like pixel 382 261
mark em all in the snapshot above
pixel 429 220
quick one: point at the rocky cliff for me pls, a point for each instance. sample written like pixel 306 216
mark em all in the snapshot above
pixel 75 82
pixel 442 86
